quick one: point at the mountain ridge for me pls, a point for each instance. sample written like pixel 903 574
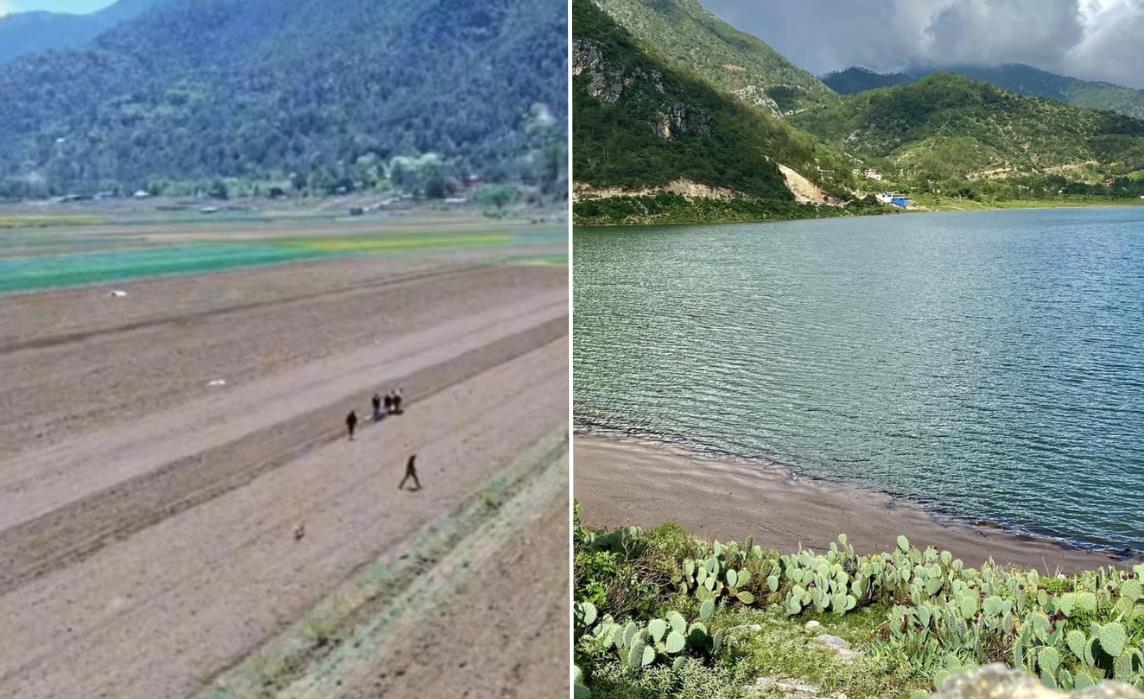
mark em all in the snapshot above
pixel 947 130
pixel 1015 77
pixel 25 33
pixel 689 37
pixel 654 141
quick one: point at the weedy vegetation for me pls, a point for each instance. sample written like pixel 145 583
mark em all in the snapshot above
pixel 659 613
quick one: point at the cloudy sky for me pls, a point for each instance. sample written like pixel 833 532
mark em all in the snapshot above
pixel 1095 39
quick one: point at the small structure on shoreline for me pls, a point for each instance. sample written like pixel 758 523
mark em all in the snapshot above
pixel 893 199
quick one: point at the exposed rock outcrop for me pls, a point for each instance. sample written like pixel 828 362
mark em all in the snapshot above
pixel 681 120
pixel 681 187
pixel 999 681
pixel 608 85
pixel 603 84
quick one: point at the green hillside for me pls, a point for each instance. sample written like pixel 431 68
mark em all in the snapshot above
pixel 317 95
pixel 1014 77
pixel 639 123
pixel 687 36
pixel 946 129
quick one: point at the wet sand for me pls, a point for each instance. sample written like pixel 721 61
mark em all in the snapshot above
pixel 622 482
pixel 148 519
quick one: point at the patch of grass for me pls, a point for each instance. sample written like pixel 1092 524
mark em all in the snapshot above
pixel 782 648
pixel 693 680
pixel 771 645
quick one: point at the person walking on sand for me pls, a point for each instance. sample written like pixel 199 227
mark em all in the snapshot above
pixel 410 472
pixel 388 402
pixel 351 423
pixel 376 401
pixel 397 401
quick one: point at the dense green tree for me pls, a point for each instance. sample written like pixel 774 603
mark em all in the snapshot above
pixel 495 199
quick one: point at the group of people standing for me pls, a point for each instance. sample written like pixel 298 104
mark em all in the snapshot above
pixel 390 404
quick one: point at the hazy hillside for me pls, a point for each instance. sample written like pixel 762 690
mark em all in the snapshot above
pixel 858 79
pixel 1022 79
pixel 946 127
pixel 690 38
pixel 319 94
pixel 22 33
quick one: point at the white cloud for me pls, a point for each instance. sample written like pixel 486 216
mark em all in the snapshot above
pixel 999 31
pixel 1095 39
pixel 1113 47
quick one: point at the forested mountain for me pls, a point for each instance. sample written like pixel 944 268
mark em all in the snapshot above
pixel 947 128
pixel 690 38
pixel 23 33
pixel 644 130
pixel 320 95
pixel 1015 77
pixel 639 123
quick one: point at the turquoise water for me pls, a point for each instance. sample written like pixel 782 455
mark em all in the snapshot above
pixel 988 364
pixel 86 263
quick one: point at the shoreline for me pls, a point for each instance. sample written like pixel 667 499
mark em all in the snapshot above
pixel 621 481
pixel 1038 205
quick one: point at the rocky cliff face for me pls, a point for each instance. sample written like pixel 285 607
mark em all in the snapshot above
pixel 670 119
pixel 603 84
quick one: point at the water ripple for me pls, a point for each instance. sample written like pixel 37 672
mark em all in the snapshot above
pixel 990 365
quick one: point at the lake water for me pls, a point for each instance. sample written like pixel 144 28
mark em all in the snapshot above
pixel 989 364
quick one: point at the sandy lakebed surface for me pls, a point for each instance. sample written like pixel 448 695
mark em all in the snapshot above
pixel 161 536
pixel 628 482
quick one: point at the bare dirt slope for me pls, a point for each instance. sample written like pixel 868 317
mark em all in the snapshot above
pixel 149 523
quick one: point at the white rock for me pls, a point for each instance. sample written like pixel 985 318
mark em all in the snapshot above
pixel 999 680
pixel 840 647
pixel 812 626
pixel 789 688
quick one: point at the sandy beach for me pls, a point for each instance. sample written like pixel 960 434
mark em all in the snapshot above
pixel 159 526
pixel 622 482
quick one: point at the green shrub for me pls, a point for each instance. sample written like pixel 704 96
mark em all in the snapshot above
pixel 939 617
